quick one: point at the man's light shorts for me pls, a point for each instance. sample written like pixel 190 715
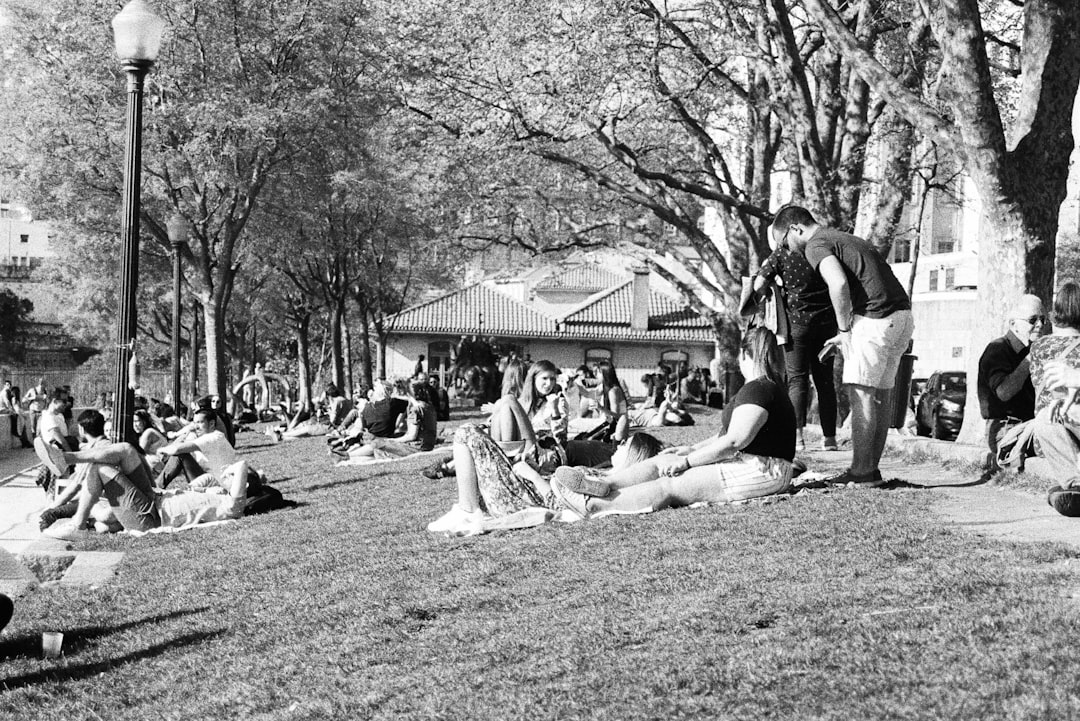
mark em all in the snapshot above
pixel 189 507
pixel 872 353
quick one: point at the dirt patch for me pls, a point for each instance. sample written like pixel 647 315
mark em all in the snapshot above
pixel 48 566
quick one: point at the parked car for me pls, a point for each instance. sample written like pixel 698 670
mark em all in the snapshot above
pixel 940 410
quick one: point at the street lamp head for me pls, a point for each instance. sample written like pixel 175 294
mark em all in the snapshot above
pixel 179 229
pixel 137 33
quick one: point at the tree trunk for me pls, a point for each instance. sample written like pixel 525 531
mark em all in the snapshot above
pixel 303 363
pixel 337 315
pixel 215 347
pixel 346 341
pixel 365 353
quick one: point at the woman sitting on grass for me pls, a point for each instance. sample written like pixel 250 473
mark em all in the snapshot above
pixel 490 484
pixel 668 411
pixel 749 459
pixel 421 432
pixel 151 440
pixel 613 404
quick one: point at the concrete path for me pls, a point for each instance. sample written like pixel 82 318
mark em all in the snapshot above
pixel 27 558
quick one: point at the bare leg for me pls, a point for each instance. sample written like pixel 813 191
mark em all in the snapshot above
pixel 693 486
pixel 468 490
pixel 634 475
pixel 504 426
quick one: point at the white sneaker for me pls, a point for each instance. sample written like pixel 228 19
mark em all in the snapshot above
pixel 458 522
pixel 64 530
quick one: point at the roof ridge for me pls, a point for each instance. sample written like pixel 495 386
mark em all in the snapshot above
pixel 594 299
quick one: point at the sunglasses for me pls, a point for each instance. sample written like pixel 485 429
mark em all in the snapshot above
pixel 1035 320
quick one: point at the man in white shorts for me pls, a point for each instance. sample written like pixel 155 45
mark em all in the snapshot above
pixel 212 451
pixel 118 472
pixel 873 315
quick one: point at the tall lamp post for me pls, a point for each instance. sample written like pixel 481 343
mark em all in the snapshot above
pixel 179 229
pixel 137 34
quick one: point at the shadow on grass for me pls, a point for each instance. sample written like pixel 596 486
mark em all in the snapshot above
pixel 72 673
pixel 388 470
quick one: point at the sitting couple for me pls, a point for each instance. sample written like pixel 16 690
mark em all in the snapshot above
pixel 751 458
pixel 376 434
pixel 118 472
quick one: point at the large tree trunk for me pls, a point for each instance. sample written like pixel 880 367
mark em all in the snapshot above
pixel 346 341
pixel 303 362
pixel 337 315
pixel 215 349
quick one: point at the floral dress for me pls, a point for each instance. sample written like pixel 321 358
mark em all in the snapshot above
pixel 1046 349
pixel 502 491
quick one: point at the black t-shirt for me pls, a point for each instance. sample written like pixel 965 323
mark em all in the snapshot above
pixel 776 439
pixel 998 361
pixel 380 417
pixel 875 291
pixel 805 294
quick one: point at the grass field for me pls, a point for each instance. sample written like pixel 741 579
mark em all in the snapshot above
pixel 844 605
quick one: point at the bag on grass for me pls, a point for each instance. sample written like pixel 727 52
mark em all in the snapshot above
pixel 262 497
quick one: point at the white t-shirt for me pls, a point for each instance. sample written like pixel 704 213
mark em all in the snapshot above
pixel 52 425
pixel 215 453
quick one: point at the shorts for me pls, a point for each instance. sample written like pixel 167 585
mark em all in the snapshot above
pixel 189 507
pixel 873 349
pixel 746 476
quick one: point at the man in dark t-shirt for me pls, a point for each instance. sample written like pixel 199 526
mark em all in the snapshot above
pixel 874 323
pixel 381 415
pixel 1006 394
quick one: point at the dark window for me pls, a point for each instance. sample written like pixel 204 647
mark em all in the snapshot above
pixel 24 238
pixel 933 280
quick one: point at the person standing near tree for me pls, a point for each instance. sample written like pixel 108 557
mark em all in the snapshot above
pixel 812 323
pixel 874 328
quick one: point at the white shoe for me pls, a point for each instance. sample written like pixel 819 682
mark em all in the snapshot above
pixel 64 530
pixel 458 522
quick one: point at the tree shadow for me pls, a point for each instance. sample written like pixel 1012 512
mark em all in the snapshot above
pixel 76 639
pixel 387 470
pixel 72 673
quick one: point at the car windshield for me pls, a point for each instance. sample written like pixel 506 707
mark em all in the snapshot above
pixel 954 382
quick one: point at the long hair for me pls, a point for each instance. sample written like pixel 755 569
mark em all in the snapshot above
pixel 640 447
pixel 608 380
pixel 759 345
pixel 513 378
pixel 529 398
pixel 1067 305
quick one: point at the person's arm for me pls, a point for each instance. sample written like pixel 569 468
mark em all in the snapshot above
pixel 526 472
pixel 413 422
pixel 1007 385
pixel 832 272
pixel 1058 373
pixel 176 448
pixel 747 421
pixel 524 424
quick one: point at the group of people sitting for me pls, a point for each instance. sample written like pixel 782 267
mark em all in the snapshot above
pixel 124 486
pixel 523 459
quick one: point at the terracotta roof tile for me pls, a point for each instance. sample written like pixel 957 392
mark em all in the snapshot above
pixel 476 309
pixel 583 278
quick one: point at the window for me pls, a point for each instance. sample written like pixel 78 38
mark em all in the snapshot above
pixel 438 355
pixel 594 355
pixel 675 359
pixel 24 238
pixel 933 280
pixel 950 278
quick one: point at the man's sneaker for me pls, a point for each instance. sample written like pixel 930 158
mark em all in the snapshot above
pixel 52 457
pixel 570 502
pixel 64 530
pixel 436 471
pixel 829 444
pixel 580 481
pixel 458 522
pixel 849 479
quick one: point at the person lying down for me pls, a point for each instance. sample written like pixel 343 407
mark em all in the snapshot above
pixel 751 458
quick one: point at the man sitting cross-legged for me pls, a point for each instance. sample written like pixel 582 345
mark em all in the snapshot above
pixel 118 472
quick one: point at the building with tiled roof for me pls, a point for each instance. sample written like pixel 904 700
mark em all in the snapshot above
pixel 569 316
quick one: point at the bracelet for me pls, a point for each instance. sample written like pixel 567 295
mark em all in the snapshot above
pixel 844 330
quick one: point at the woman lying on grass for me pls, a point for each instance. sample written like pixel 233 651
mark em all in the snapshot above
pixel 490 484
pixel 749 459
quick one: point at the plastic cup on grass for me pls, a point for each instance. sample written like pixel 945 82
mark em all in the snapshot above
pixel 51 643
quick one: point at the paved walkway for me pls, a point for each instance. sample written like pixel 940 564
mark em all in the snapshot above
pixel 23 550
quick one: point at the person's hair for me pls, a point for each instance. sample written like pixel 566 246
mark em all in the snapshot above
pixel 641 447
pixel 206 403
pixel 663 368
pixel 1067 305
pixel 583 369
pixel 513 378
pixel 530 399
pixel 92 423
pixel 608 379
pixel 402 386
pixel 759 345
pixel 433 379
pixel 164 410
pixel 210 413
pixel 332 389
pixel 383 386
pixel 789 215
pixel 421 357
pixel 421 392
pixel 144 417
pixel 57 394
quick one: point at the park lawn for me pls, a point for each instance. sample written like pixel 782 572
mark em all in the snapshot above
pixel 845 605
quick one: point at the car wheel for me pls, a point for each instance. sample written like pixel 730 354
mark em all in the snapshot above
pixel 936 429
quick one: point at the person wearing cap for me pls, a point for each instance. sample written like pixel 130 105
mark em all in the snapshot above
pixel 874 328
pixel 1006 393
